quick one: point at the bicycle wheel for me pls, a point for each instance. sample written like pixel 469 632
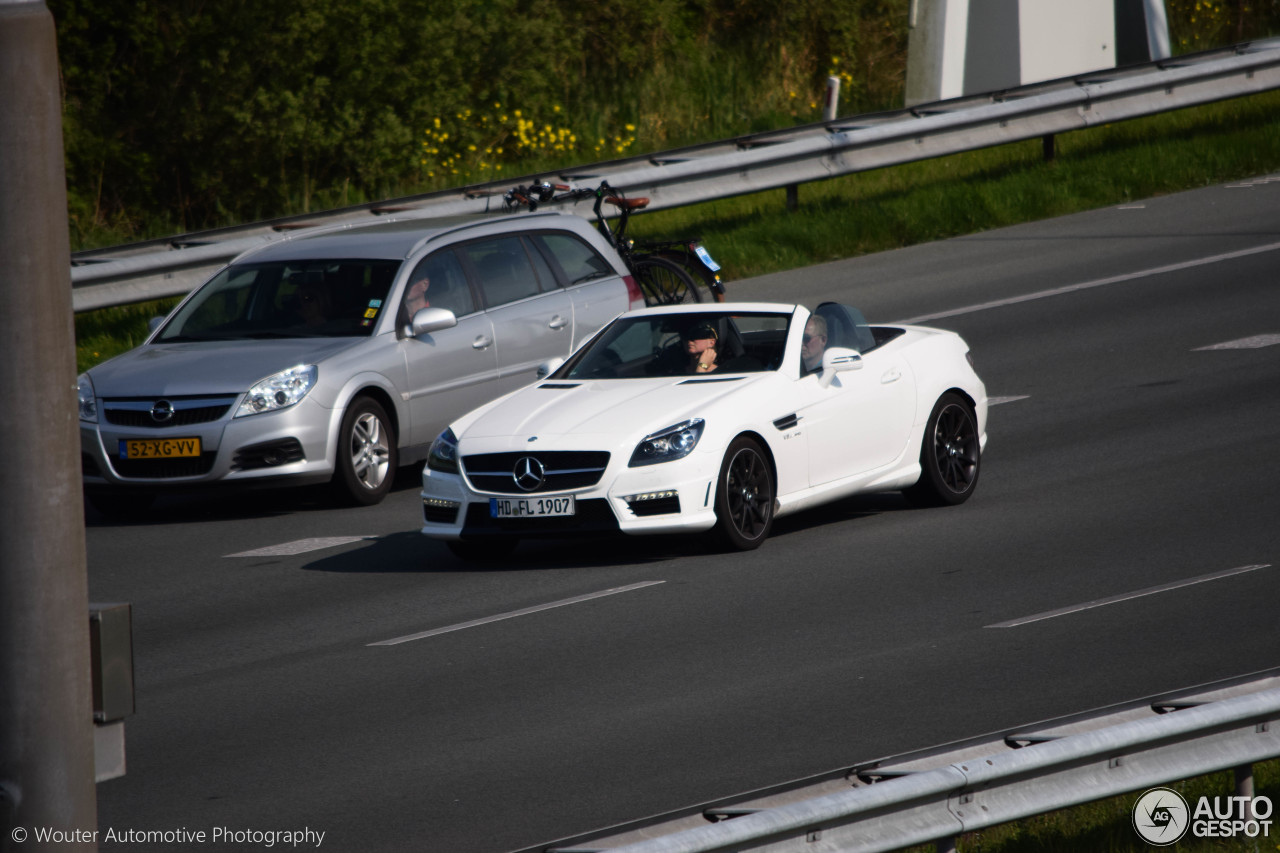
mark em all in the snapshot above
pixel 664 282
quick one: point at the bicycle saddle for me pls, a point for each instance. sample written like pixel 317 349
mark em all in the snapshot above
pixel 628 203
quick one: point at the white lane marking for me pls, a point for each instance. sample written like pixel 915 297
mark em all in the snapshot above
pixel 1255 342
pixel 995 401
pixel 1102 282
pixel 1128 596
pixel 514 613
pixel 1132 207
pixel 301 546
pixel 1256 182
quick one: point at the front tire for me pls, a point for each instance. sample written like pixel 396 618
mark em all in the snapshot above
pixel 367 454
pixel 950 455
pixel 745 494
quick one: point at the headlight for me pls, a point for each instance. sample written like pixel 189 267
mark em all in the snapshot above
pixel 280 391
pixel 443 455
pixel 88 401
pixel 665 445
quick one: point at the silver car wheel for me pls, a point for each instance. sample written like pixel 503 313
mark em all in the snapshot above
pixel 370 451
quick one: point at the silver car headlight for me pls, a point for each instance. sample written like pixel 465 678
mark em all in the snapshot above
pixel 280 391
pixel 443 455
pixel 665 445
pixel 88 400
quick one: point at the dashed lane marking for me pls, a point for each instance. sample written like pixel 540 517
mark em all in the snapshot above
pixel 1255 342
pixel 514 613
pixel 1128 596
pixel 301 546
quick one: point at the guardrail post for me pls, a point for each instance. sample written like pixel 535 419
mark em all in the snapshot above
pixel 1244 781
pixel 793 196
pixel 1049 147
pixel 947 845
pixel 46 705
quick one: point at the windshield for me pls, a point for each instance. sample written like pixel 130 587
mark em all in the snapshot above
pixel 682 344
pixel 285 299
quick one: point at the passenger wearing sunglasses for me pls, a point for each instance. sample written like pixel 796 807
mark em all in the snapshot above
pixel 814 343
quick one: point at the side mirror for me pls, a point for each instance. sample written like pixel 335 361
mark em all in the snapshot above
pixel 549 367
pixel 429 320
pixel 838 360
pixel 153 324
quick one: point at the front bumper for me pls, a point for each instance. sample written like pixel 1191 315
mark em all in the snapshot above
pixel 291 444
pixel 670 497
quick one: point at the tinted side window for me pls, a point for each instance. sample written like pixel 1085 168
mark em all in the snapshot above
pixel 545 275
pixel 579 261
pixel 504 269
pixel 446 286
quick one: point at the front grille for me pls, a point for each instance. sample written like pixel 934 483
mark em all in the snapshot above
pixel 562 469
pixel 163 469
pixel 267 455
pixel 591 516
pixel 137 411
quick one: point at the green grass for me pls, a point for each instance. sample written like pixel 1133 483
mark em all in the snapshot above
pixel 965 193
pixel 1106 826
pixel 919 202
pixel 932 200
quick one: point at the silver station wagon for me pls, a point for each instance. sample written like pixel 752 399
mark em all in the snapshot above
pixel 339 356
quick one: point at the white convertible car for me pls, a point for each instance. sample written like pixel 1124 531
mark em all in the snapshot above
pixel 692 418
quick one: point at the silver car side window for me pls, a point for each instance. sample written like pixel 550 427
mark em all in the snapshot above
pixel 439 282
pixel 579 261
pixel 503 268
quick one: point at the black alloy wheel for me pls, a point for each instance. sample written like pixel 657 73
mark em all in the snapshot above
pixel 950 455
pixel 745 495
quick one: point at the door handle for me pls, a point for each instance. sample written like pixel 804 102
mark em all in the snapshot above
pixel 893 375
pixel 481 342
pixel 558 322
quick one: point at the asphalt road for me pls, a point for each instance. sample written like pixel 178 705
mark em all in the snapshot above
pixel 1125 456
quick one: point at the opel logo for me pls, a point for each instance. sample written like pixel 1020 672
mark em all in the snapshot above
pixel 162 411
pixel 528 473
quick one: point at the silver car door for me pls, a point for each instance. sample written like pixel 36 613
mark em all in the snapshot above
pixel 531 325
pixel 450 371
pixel 596 289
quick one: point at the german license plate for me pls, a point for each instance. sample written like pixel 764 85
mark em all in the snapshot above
pixel 530 507
pixel 158 448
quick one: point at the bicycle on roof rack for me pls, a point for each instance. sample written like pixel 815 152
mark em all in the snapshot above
pixel 664 270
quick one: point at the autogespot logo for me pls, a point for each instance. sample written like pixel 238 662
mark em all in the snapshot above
pixel 1160 816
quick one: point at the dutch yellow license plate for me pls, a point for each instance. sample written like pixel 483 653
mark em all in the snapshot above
pixel 158 448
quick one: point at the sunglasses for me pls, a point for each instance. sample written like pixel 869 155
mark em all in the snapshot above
pixel 807 337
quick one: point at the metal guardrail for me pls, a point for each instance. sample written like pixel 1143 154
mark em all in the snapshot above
pixel 785 158
pixel 937 797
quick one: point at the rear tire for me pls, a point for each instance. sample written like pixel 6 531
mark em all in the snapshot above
pixel 367 454
pixel 950 455
pixel 745 494
pixel 665 282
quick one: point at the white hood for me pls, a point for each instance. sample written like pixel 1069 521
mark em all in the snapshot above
pixel 617 408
